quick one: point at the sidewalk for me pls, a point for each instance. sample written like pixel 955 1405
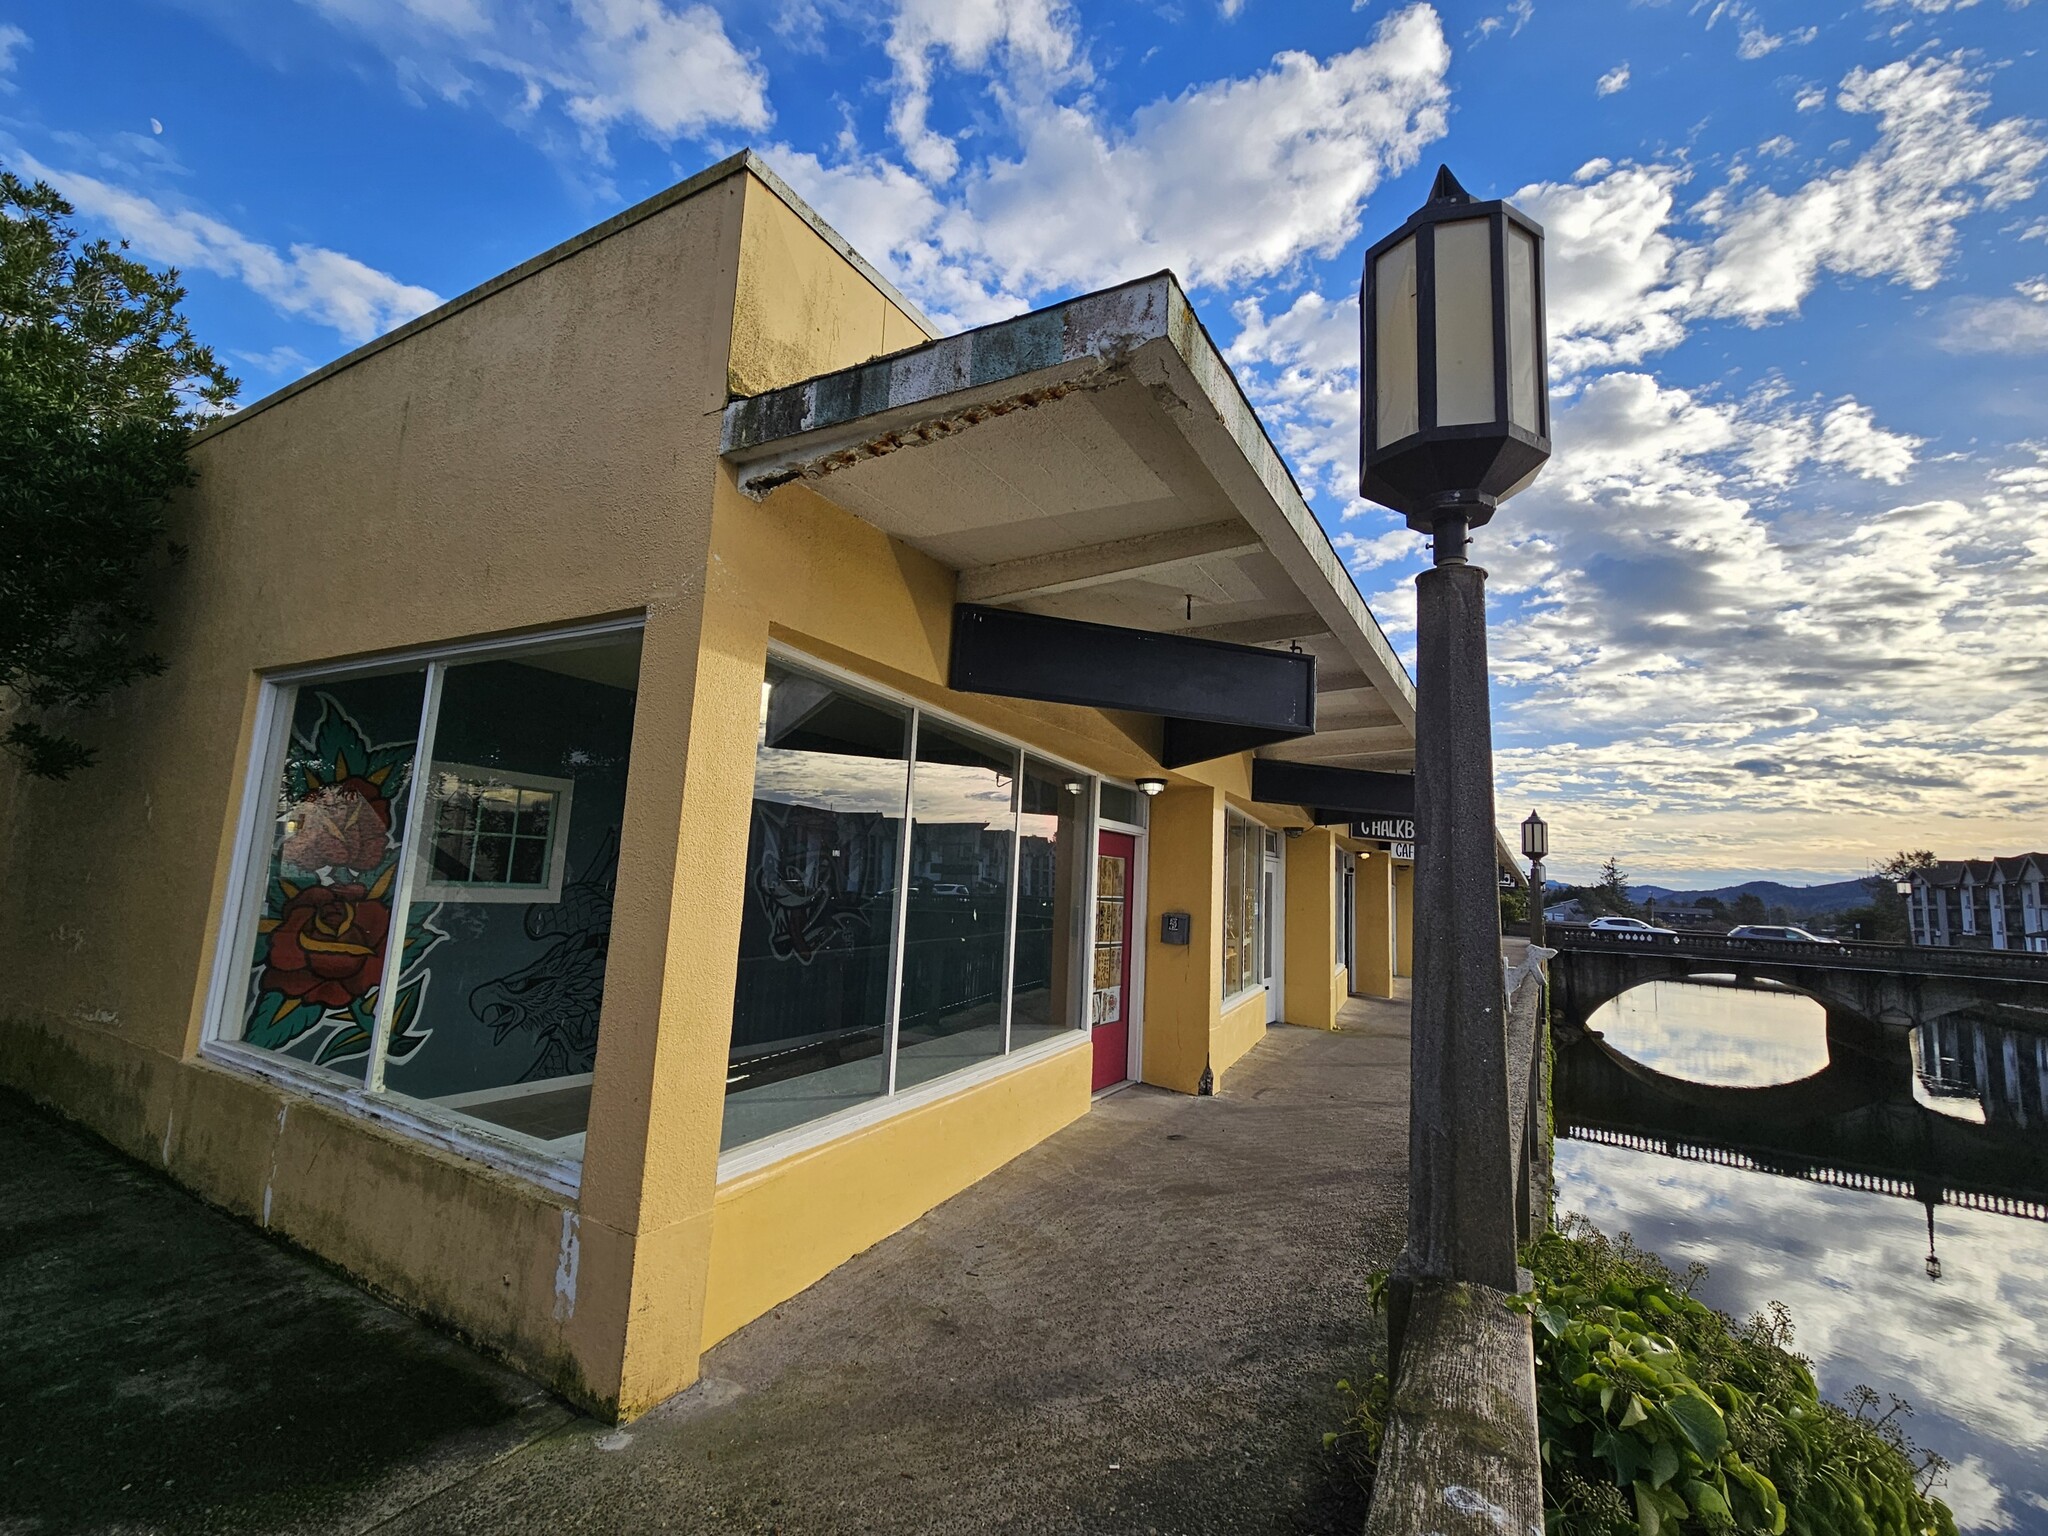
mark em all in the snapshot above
pixel 1134 1327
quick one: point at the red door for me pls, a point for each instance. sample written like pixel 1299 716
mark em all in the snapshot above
pixel 1110 992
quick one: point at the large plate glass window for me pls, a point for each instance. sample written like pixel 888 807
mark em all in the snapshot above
pixel 1244 917
pixel 913 904
pixel 811 1008
pixel 1051 869
pixel 433 911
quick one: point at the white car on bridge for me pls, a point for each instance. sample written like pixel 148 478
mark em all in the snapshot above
pixel 1629 925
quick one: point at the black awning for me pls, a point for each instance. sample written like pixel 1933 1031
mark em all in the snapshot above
pixel 1215 698
pixel 1332 794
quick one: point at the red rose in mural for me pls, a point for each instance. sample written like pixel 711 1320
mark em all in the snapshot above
pixel 327 947
pixel 339 826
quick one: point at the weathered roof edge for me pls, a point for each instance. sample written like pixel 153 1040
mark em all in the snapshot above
pixel 732 165
pixel 1105 327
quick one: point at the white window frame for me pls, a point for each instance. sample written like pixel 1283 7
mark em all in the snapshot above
pixel 555 1165
pixel 427 888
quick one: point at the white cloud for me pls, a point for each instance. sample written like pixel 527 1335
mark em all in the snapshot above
pixel 2001 325
pixel 1811 98
pixel 1233 180
pixel 670 71
pixel 12 41
pixel 1893 213
pixel 1618 282
pixel 312 281
pixel 1616 79
pixel 1035 38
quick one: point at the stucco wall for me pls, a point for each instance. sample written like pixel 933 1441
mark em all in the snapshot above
pixel 541 456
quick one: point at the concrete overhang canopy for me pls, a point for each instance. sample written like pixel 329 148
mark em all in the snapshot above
pixel 1095 460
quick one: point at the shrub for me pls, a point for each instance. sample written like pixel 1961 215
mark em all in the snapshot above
pixel 1661 1417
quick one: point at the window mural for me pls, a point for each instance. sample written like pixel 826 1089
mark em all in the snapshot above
pixel 324 930
pixel 497 982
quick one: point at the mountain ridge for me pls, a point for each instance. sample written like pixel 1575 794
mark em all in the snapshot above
pixel 1799 900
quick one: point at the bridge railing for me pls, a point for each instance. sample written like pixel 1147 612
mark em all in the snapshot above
pixel 1915 959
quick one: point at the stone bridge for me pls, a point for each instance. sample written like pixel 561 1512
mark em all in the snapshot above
pixel 1877 985
pixel 1971 1135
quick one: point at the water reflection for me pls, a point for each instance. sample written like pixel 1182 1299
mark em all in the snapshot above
pixel 1704 1124
pixel 1691 1031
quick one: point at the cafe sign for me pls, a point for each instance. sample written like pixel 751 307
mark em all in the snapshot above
pixel 1385 829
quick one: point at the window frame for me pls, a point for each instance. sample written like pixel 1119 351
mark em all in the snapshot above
pixel 220 1041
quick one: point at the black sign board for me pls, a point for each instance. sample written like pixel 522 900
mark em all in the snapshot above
pixel 1385 829
pixel 1173 927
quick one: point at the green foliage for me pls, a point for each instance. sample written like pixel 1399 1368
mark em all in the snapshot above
pixel 1514 905
pixel 1364 1428
pixel 1886 914
pixel 101 385
pixel 1613 885
pixel 1662 1417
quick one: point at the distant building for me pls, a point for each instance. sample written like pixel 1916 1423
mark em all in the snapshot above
pixel 1565 912
pixel 1982 903
pixel 1686 917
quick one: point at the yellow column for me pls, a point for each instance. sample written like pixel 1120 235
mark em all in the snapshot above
pixel 1183 982
pixel 1311 931
pixel 1404 919
pixel 1374 898
pixel 650 1167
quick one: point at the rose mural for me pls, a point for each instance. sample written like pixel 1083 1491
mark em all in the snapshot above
pixel 322 938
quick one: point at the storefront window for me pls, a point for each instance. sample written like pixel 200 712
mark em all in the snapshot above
pixel 440 933
pixel 1244 934
pixel 818 934
pixel 1049 902
pixel 957 918
pixel 956 945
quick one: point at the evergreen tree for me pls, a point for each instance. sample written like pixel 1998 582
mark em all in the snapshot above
pixel 101 386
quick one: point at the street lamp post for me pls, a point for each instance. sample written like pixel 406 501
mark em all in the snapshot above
pixel 1536 848
pixel 1456 418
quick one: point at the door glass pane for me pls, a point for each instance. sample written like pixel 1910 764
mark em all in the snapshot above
pixel 1464 322
pixel 1050 866
pixel 324 913
pixel 951 1014
pixel 831 776
pixel 510 921
pixel 1112 913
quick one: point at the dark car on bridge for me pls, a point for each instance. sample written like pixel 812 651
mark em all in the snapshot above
pixel 1782 931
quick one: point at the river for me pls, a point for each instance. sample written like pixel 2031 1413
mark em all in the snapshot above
pixel 1722 1124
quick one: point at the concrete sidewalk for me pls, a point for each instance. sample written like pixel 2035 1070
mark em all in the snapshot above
pixel 1134 1327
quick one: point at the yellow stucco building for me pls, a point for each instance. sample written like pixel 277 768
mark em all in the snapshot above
pixel 584 870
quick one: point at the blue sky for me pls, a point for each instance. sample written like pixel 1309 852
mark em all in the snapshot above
pixel 1778 606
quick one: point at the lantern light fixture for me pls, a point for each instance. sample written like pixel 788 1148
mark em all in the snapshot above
pixel 1535 838
pixel 1456 377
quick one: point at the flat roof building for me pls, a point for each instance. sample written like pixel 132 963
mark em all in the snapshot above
pixel 650 794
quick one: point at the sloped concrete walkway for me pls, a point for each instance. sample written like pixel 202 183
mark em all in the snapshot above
pixel 1135 1327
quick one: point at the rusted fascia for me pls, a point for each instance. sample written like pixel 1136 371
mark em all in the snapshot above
pixel 1096 332
pixel 764 476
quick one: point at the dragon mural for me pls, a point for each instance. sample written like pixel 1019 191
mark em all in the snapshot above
pixel 555 997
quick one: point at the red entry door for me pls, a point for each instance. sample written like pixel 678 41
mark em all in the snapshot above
pixel 1110 990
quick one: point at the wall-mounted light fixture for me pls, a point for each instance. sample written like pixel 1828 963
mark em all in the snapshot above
pixel 1075 786
pixel 1151 787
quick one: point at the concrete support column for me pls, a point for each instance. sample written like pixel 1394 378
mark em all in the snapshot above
pixel 1184 982
pixel 1313 988
pixel 1374 898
